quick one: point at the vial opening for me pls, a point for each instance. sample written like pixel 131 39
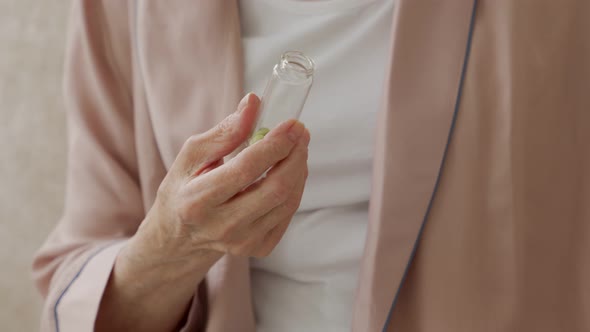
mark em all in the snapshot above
pixel 297 64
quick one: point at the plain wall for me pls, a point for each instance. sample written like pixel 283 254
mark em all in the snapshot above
pixel 32 147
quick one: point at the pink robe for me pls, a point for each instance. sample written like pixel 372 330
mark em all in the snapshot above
pixel 505 244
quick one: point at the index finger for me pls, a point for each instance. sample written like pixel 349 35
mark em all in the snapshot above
pixel 222 183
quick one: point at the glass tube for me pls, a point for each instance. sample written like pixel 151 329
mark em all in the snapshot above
pixel 285 93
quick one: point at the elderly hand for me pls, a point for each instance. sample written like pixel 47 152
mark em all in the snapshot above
pixel 204 209
pixel 205 206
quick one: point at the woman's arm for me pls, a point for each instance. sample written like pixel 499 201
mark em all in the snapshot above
pixel 146 281
pixel 201 212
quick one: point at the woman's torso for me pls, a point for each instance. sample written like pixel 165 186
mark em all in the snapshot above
pixel 308 282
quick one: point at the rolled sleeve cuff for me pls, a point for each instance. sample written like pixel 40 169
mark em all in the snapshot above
pixel 77 307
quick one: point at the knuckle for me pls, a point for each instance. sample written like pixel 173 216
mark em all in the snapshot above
pixel 195 196
pixel 192 142
pixel 185 211
pixel 236 226
pixel 200 200
pixel 225 130
pixel 279 192
pixel 227 233
pixel 241 176
pixel 276 148
pixel 244 170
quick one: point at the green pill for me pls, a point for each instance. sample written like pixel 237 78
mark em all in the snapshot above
pixel 258 135
pixel 262 131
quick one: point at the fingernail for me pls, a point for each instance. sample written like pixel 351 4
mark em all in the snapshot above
pixel 296 130
pixel 244 102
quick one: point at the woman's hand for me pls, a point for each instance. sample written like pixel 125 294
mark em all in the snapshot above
pixel 204 209
pixel 206 206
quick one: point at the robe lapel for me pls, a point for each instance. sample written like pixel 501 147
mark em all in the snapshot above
pixel 428 46
pixel 190 57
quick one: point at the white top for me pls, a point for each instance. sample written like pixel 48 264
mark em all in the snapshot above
pixel 308 282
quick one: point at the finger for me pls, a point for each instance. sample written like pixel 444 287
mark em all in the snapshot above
pixel 276 231
pixel 268 221
pixel 222 183
pixel 259 237
pixel 201 151
pixel 280 184
pixel 262 236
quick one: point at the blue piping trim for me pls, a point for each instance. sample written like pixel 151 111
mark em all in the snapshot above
pixel 71 282
pixel 441 168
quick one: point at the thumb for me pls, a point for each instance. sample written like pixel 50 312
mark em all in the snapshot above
pixel 203 150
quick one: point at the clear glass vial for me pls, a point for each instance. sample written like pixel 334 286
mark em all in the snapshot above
pixel 285 93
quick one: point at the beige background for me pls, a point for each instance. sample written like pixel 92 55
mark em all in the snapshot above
pixel 32 147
